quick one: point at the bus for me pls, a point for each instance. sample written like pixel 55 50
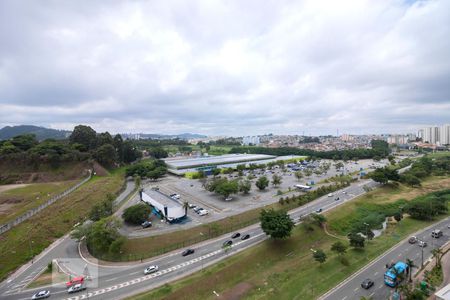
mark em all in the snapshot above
pixel 303 187
pixel 395 274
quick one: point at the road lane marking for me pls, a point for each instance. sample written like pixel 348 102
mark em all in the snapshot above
pixel 355 289
pixel 376 273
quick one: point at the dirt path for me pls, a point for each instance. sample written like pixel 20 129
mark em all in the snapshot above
pixel 6 187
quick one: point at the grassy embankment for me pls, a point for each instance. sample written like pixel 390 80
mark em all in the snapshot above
pixel 286 269
pixel 15 202
pixel 28 239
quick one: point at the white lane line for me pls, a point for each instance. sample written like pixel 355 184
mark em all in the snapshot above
pixel 344 298
pixel 380 286
pixel 399 254
pixel 111 279
pixel 371 294
pixel 135 272
pixel 375 274
pixel 355 289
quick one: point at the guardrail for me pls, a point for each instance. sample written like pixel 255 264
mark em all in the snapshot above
pixel 7 226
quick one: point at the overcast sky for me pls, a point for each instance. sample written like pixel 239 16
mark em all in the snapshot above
pixel 226 67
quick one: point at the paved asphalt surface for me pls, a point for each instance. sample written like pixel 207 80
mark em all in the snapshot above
pixel 118 282
pixel 351 288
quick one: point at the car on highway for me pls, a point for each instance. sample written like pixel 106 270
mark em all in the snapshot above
pixel 412 240
pixel 146 224
pixel 367 283
pixel 151 269
pixel 227 243
pixel 203 212
pixel 187 252
pixel 319 210
pixel 422 244
pixel 245 237
pixel 337 199
pixel 330 195
pixel 75 280
pixel 344 192
pixel 41 295
pixel 235 235
pixel 76 288
pixel 228 198
pixel 436 233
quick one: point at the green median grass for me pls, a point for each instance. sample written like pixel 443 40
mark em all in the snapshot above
pixel 16 202
pixel 20 244
pixel 286 269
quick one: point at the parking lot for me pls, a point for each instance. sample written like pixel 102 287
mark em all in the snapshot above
pixel 191 190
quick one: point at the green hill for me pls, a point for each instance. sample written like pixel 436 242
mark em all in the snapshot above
pixel 41 133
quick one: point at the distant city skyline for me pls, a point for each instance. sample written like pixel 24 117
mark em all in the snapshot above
pixel 226 67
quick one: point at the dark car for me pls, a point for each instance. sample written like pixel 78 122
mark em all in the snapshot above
pixel 146 224
pixel 412 240
pixel 246 236
pixel 367 284
pixel 227 243
pixel 187 252
pixel 235 235
pixel 337 199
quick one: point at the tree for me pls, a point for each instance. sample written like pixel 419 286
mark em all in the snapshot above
pixel 379 176
pixel 104 138
pixel 24 142
pixel 319 256
pixel 106 155
pixel 276 224
pixel 245 186
pixel 356 240
pixel 215 172
pixel 130 153
pixel 136 214
pixel 101 235
pixel 298 175
pixel 308 172
pixel 276 180
pixel 339 248
pixel 437 255
pixel 262 183
pixel 410 180
pixel 411 265
pixel 339 165
pixel 319 219
pixel 85 136
pixel 118 145
pixel 157 152
pixel 102 209
pixel 226 188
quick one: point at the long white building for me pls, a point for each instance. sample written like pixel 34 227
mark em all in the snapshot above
pixel 439 135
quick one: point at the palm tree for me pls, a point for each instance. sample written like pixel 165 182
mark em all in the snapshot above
pixel 411 265
pixel 185 206
pixel 437 254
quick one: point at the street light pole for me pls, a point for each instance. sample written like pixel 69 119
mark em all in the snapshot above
pixel 422 255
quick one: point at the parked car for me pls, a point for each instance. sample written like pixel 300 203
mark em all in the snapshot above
pixel 197 209
pixel 436 233
pixel 245 237
pixel 203 212
pixel 187 252
pixel 367 284
pixel 75 280
pixel 146 224
pixel 227 243
pixel 41 295
pixel 191 205
pixel 151 269
pixel 175 196
pixel 235 235
pixel 422 244
pixel 76 288
pixel 413 240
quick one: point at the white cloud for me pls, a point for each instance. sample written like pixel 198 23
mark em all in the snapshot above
pixel 226 67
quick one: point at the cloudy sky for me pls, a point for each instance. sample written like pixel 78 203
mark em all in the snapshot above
pixel 226 67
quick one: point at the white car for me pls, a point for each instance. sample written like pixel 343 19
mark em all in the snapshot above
pixel 330 195
pixel 228 199
pixel 175 196
pixel 151 269
pixel 76 288
pixel 41 295
pixel 203 212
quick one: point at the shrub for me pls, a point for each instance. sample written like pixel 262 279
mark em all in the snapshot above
pixel 136 214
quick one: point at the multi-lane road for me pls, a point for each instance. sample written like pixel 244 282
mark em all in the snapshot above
pixel 351 288
pixel 118 281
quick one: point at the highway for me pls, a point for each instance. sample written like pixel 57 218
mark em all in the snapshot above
pixel 118 281
pixel 350 288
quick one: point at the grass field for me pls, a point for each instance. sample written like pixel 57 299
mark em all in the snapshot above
pixel 17 201
pixel 439 154
pixel 21 243
pixel 286 269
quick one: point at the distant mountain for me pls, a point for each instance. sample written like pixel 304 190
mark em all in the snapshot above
pixel 183 136
pixel 40 132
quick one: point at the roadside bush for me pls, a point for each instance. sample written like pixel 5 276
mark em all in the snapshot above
pixel 136 214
